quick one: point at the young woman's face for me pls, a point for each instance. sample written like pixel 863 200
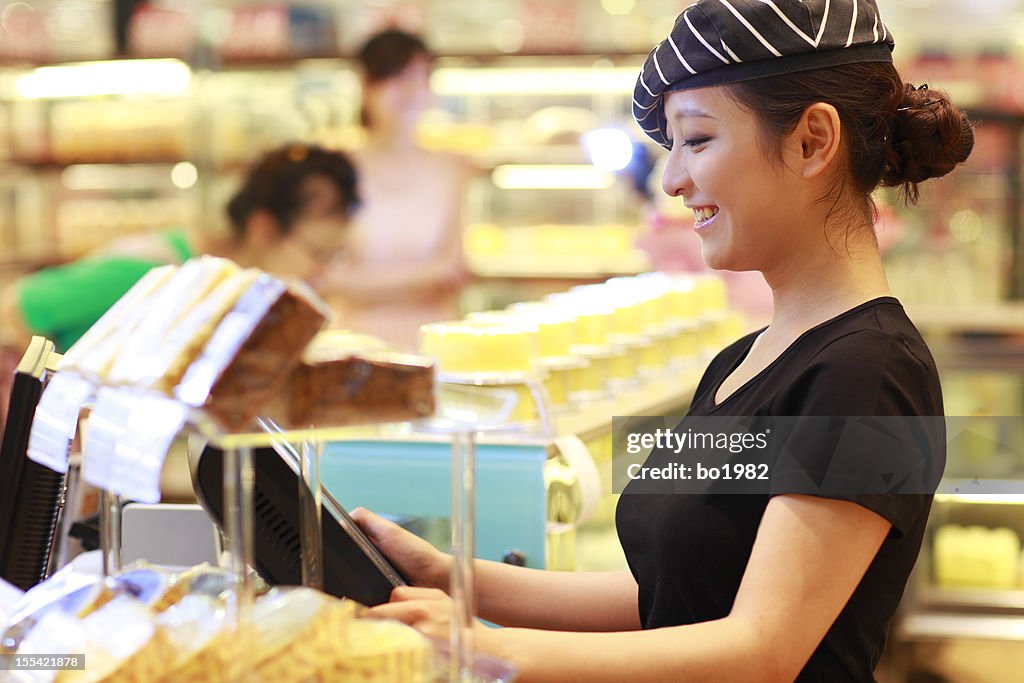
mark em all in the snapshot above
pixel 318 232
pixel 402 97
pixel 745 209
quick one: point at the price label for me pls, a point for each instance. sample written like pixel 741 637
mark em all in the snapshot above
pixel 56 420
pixel 127 441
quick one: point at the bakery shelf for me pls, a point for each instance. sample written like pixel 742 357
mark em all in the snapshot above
pixel 981 491
pixel 941 626
pixel 1006 317
pixel 558 266
pixel 532 154
pixel 51 165
pixel 975 599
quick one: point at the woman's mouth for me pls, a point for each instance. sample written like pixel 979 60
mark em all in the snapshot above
pixel 703 216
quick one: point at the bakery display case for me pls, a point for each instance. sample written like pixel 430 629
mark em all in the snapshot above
pixel 100 162
pixel 967 592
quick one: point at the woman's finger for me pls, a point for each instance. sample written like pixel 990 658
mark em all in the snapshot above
pixel 411 612
pixel 406 593
pixel 374 526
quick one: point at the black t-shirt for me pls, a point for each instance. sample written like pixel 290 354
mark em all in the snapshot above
pixel 688 552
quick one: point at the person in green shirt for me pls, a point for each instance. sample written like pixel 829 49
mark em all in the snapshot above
pixel 289 218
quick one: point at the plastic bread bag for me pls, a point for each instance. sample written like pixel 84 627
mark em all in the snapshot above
pixel 186 339
pixel 183 293
pixel 145 582
pixel 92 355
pixel 9 596
pixel 56 634
pixel 253 351
pixel 160 589
pixel 69 591
pixel 336 386
pixel 123 645
pixel 298 634
pixel 203 581
pixel 195 627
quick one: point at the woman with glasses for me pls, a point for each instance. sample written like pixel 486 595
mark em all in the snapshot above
pixel 289 217
pixel 405 263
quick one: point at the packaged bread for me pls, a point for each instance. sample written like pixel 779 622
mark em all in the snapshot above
pixel 298 635
pixel 383 651
pixel 204 581
pixel 69 591
pixel 95 352
pixel 202 644
pixel 123 645
pixel 253 351
pixel 305 636
pixel 153 344
pixel 336 386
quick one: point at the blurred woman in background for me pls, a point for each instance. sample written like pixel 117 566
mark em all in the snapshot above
pixel 288 217
pixel 404 264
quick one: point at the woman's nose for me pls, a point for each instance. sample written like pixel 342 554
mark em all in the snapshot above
pixel 675 179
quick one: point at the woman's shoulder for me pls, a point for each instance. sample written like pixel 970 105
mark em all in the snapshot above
pixel 877 333
pixel 872 362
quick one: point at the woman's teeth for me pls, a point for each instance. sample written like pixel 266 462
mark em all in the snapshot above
pixel 704 214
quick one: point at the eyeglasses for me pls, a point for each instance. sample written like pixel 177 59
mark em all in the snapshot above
pixel 321 253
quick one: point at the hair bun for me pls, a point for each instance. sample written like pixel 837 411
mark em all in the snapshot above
pixel 930 136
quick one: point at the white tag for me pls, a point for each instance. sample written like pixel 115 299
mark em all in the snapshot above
pixel 127 441
pixel 56 420
pixel 106 427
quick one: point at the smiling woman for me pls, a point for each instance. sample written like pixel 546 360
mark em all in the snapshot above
pixel 780 118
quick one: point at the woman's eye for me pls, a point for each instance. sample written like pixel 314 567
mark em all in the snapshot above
pixel 695 142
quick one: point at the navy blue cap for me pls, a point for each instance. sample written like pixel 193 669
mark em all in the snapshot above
pixel 716 42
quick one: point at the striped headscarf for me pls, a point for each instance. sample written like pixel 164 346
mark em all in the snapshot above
pixel 715 42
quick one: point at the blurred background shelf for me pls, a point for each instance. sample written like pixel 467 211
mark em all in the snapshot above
pixel 973 599
pixel 957 626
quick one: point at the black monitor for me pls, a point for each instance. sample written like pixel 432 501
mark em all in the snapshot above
pixel 352 565
pixel 30 494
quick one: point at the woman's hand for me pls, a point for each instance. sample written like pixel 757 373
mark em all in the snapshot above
pixel 428 610
pixel 419 562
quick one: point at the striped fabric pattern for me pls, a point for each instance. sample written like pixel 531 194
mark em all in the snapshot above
pixel 715 42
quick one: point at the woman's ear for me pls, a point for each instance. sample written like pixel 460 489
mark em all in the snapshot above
pixel 819 136
pixel 262 229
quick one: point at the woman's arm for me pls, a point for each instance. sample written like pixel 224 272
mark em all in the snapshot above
pixel 557 601
pixel 508 595
pixel 796 583
pixel 14 331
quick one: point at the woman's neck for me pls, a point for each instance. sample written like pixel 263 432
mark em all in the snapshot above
pixel 826 282
pixel 390 138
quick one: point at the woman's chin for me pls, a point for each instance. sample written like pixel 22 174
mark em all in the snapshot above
pixel 714 258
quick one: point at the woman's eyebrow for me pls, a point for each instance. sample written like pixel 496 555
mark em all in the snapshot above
pixel 693 113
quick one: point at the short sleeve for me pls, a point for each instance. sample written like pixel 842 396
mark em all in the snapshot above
pixel 866 427
pixel 63 302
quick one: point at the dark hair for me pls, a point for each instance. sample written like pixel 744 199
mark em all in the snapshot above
pixel 896 135
pixel 386 54
pixel 274 184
